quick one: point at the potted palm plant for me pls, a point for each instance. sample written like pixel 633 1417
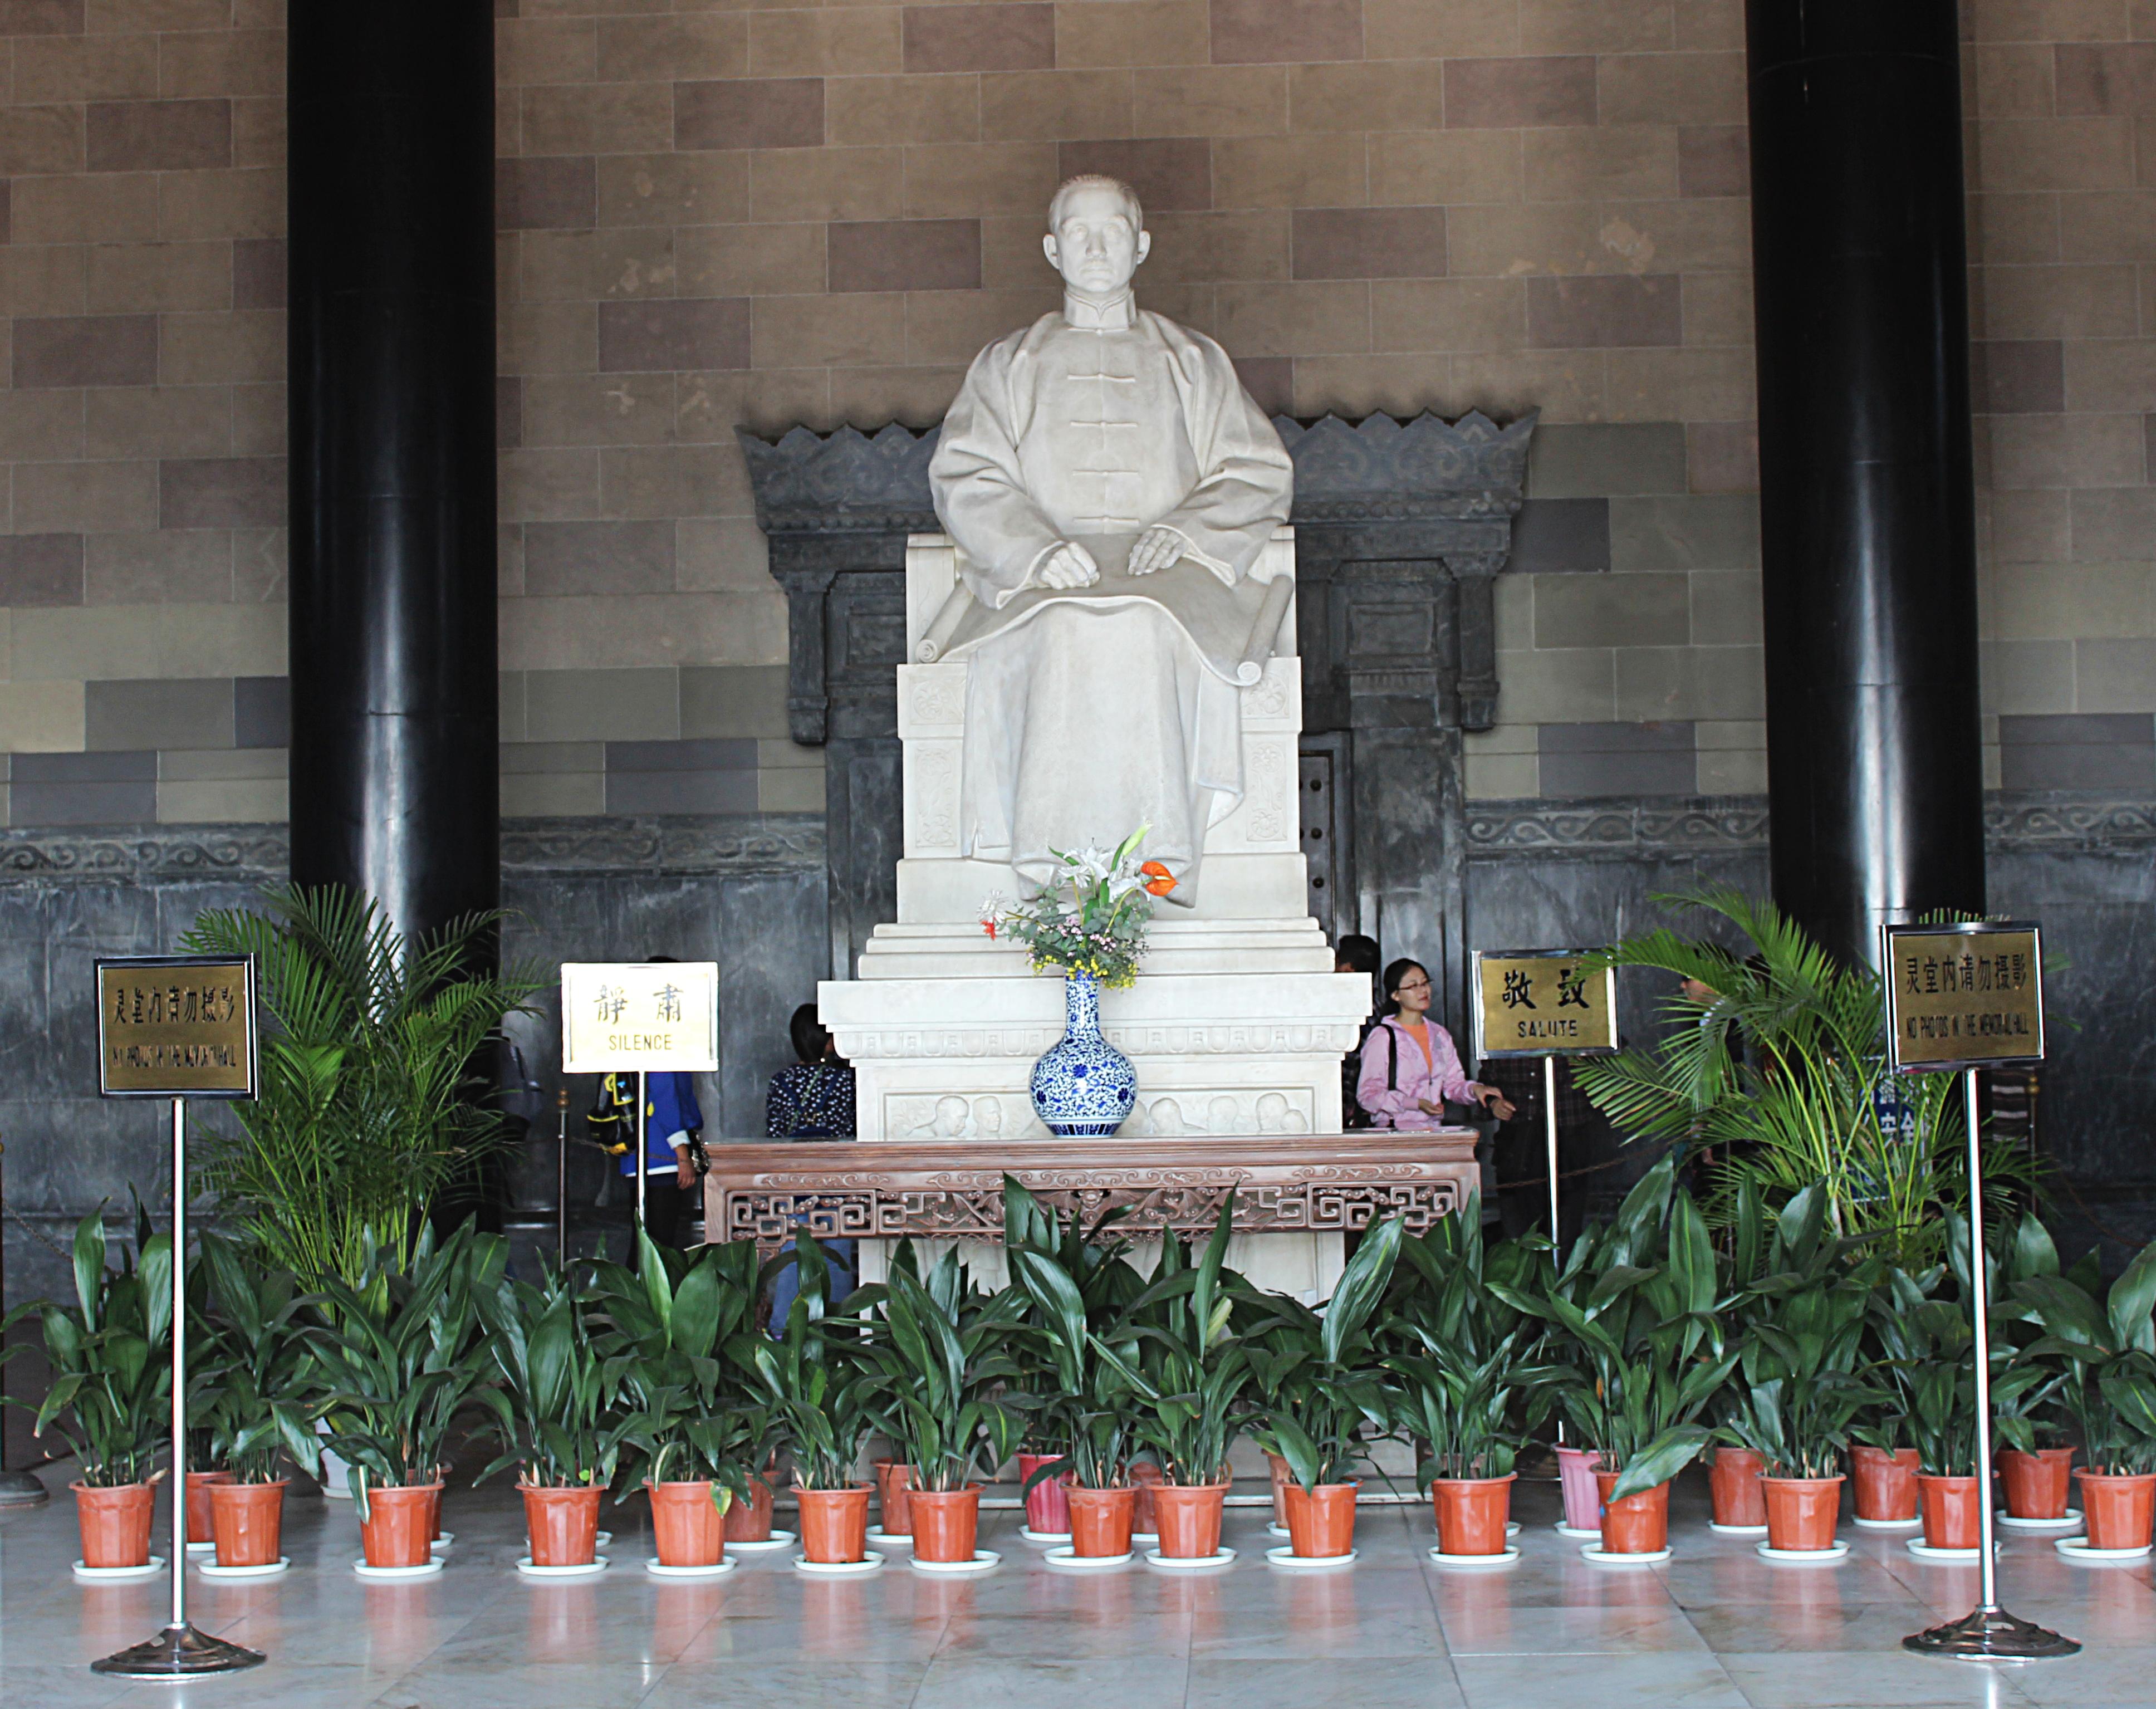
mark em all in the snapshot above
pixel 691 1436
pixel 1883 1462
pixel 259 1373
pixel 1190 1375
pixel 553 1410
pixel 2108 1345
pixel 1638 1301
pixel 110 1400
pixel 942 1345
pixel 821 1385
pixel 1076 1287
pixel 1320 1387
pixel 397 1359
pixel 1465 1385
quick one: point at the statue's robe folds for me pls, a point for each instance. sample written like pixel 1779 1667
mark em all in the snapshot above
pixel 1092 711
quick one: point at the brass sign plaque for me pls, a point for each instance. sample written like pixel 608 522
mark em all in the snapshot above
pixel 1964 996
pixel 175 1027
pixel 643 1017
pixel 1537 1002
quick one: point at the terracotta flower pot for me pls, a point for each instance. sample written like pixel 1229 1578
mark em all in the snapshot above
pixel 1637 1525
pixel 1100 1519
pixel 892 1478
pixel 2037 1484
pixel 1188 1516
pixel 1801 1512
pixel 834 1523
pixel 434 1523
pixel 1145 1479
pixel 399 1525
pixel 1950 1510
pixel 1047 1513
pixel 248 1521
pixel 1320 1522
pixel 116 1523
pixel 562 1521
pixel 2120 1511
pixel 198 1483
pixel 750 1521
pixel 1472 1513
pixel 1733 1482
pixel 1282 1477
pixel 1582 1496
pixel 945 1522
pixel 1886 1483
pixel 686 1528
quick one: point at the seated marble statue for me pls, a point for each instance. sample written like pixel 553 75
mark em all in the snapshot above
pixel 1109 486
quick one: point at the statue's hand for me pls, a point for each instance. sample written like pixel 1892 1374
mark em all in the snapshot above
pixel 1070 565
pixel 1156 550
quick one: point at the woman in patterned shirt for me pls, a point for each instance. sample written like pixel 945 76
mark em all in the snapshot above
pixel 812 1099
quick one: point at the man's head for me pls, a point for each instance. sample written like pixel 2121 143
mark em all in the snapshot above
pixel 1096 235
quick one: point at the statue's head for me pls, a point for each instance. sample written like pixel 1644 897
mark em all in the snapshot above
pixel 1096 235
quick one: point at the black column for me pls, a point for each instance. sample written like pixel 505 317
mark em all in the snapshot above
pixel 1866 495
pixel 394 719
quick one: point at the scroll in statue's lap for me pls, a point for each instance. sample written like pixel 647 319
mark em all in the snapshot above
pixel 1087 721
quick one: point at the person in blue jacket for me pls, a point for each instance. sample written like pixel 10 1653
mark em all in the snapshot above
pixel 673 1135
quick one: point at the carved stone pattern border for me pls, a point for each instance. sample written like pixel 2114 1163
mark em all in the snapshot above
pixel 2021 819
pixel 717 844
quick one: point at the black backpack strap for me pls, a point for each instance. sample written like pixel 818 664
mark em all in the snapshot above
pixel 1392 1060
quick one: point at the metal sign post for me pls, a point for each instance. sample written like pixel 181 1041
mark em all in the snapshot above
pixel 1958 998
pixel 639 1019
pixel 177 1027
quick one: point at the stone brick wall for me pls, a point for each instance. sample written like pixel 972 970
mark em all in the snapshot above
pixel 764 214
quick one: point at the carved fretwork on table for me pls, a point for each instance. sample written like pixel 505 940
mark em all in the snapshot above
pixel 841 1189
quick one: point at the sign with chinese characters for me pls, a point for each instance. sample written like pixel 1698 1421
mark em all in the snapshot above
pixel 1537 1002
pixel 644 1017
pixel 1964 996
pixel 175 1026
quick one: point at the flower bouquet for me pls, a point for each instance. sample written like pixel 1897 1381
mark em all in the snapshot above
pixel 1091 920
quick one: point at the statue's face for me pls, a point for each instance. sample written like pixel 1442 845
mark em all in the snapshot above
pixel 1095 245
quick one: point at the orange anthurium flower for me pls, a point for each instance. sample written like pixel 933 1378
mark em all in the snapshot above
pixel 1159 881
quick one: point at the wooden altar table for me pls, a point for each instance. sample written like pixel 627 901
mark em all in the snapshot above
pixel 843 1189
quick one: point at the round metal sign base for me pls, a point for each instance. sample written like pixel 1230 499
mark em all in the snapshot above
pixel 177 1652
pixel 1991 1634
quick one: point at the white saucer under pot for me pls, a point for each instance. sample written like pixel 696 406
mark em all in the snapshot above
pixel 2071 1520
pixel 1576 1533
pixel 1184 1564
pixel 716 1569
pixel 583 1569
pixel 271 1569
pixel 879 1538
pixel 1613 1558
pixel 395 1575
pixel 119 1575
pixel 984 1560
pixel 838 1569
pixel 1046 1538
pixel 1737 1530
pixel 1926 1552
pixel 764 1545
pixel 1503 1557
pixel 1287 1556
pixel 1071 1557
pixel 2074 1548
pixel 1889 1524
pixel 1802 1557
pixel 1273 1529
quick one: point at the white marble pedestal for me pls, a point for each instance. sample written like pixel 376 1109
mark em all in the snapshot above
pixel 1237 1023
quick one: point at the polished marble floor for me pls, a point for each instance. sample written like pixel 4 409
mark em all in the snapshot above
pixel 1715 1628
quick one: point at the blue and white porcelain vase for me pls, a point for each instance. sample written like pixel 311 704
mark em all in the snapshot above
pixel 1084 1087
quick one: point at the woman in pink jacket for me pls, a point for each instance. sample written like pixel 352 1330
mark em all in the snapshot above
pixel 1410 1068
